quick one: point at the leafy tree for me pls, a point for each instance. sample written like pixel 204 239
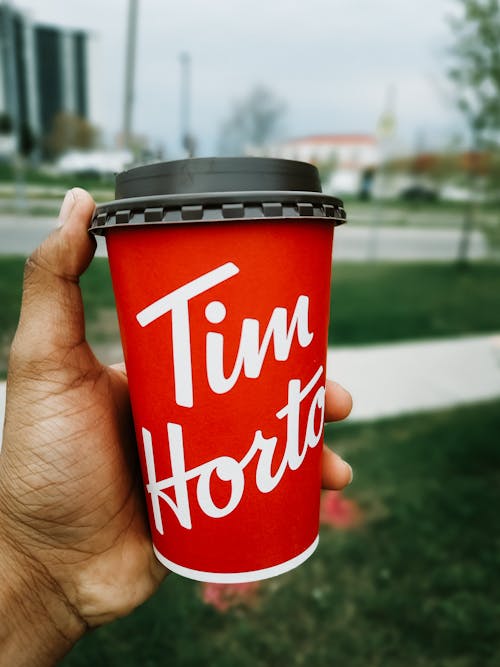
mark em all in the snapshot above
pixel 5 123
pixel 475 70
pixel 27 141
pixel 71 131
pixel 476 67
pixel 253 122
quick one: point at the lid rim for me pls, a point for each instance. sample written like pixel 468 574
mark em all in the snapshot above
pixel 223 197
pixel 218 207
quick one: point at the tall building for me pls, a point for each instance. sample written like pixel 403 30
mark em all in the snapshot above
pixel 44 70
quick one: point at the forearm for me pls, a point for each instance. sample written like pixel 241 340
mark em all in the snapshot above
pixel 37 624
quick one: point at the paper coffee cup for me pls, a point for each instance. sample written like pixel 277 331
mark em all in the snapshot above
pixel 221 273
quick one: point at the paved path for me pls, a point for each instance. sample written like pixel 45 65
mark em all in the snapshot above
pixel 21 234
pixel 389 380
pixel 358 243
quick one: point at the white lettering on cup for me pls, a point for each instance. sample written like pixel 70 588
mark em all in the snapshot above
pixel 251 352
pixel 229 469
pixel 178 303
pixel 250 358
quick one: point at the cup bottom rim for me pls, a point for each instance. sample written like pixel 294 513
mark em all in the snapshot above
pixel 237 577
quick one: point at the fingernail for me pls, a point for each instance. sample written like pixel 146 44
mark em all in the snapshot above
pixel 351 474
pixel 66 207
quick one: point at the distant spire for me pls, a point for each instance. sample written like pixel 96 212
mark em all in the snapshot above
pixel 386 125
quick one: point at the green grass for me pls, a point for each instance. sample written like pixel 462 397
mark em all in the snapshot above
pixel 98 298
pixel 32 211
pixel 11 275
pixel 415 585
pixel 371 303
pixel 37 177
pixel 388 302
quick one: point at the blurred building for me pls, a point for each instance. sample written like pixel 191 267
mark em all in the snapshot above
pixel 44 71
pixel 345 161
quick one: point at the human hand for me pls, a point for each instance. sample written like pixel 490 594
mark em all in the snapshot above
pixel 75 549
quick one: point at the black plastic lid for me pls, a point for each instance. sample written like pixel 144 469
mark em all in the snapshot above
pixel 216 188
pixel 217 175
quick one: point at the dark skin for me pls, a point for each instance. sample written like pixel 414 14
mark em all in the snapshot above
pixel 75 549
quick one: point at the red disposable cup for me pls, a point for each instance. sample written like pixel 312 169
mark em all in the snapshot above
pixel 223 300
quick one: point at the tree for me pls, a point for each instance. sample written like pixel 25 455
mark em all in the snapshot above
pixel 253 122
pixel 476 67
pixel 71 131
pixel 6 126
pixel 475 71
pixel 27 140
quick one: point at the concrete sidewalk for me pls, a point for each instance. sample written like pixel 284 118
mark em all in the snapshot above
pixel 389 380
pixel 401 378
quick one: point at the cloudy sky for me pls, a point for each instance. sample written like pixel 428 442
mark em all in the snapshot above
pixel 331 61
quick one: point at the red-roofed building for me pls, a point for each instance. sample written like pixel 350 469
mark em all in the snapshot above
pixel 344 157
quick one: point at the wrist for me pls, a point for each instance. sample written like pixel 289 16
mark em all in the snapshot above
pixel 38 626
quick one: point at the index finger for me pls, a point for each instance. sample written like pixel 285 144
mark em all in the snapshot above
pixel 338 402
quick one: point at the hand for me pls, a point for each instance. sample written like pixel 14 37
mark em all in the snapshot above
pixel 75 547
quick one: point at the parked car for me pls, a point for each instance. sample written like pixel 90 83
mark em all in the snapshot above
pixel 419 193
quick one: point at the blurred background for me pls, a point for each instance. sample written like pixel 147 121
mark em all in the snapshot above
pixel 398 105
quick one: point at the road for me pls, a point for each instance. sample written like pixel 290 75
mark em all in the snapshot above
pixel 21 234
pixel 361 243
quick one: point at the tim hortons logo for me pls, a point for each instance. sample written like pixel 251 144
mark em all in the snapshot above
pixel 253 349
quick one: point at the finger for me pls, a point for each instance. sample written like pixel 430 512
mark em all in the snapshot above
pixel 336 473
pixel 52 309
pixel 338 402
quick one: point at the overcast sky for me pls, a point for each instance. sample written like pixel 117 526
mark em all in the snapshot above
pixel 331 61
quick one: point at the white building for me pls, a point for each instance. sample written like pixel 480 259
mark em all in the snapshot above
pixel 346 159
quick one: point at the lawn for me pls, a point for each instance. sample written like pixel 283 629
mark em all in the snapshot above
pixel 371 303
pixel 36 177
pixel 414 583
pixel 383 302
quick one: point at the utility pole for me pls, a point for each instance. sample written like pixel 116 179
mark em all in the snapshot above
pixel 470 210
pixel 187 139
pixel 385 132
pixel 130 57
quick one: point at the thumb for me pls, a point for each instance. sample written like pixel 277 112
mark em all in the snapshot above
pixel 51 321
